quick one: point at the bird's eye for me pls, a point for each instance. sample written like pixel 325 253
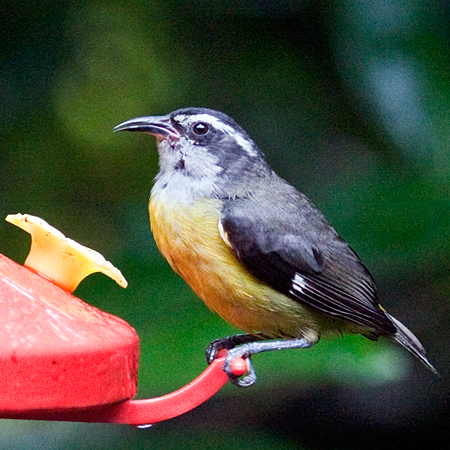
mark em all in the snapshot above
pixel 200 128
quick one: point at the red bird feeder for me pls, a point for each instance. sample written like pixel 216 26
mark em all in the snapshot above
pixel 62 359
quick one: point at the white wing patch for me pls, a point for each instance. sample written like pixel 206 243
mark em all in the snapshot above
pixel 223 234
pixel 298 285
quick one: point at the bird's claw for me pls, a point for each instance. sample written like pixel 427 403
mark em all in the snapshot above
pixel 246 349
pixel 228 343
pixel 214 348
pixel 238 380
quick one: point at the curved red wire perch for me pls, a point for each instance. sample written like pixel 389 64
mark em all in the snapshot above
pixel 140 412
pixel 62 359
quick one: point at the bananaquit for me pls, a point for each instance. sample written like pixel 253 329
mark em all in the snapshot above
pixel 252 247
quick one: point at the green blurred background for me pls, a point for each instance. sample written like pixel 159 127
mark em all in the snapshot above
pixel 349 100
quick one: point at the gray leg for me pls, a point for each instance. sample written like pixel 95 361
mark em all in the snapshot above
pixel 250 345
pixel 230 342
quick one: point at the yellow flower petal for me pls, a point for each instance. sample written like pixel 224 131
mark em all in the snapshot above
pixel 61 259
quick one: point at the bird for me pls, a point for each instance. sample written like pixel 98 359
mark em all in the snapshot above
pixel 252 247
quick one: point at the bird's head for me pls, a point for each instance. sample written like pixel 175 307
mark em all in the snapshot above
pixel 201 144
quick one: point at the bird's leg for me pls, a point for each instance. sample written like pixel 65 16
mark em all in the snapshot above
pixel 252 348
pixel 250 345
pixel 230 342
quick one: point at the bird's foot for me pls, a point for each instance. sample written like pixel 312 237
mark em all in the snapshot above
pixel 228 343
pixel 241 378
pixel 249 345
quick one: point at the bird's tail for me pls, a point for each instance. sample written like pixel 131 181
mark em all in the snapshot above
pixel 404 337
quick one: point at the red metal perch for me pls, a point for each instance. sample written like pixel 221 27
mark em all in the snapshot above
pixel 62 359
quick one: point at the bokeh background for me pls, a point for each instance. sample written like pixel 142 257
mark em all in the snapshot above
pixel 349 100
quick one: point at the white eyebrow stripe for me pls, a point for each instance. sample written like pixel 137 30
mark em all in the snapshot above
pixel 214 121
pixel 180 118
pixel 245 143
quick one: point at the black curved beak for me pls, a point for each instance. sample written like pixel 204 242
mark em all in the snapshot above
pixel 159 126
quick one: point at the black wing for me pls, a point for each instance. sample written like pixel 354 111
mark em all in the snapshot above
pixel 295 250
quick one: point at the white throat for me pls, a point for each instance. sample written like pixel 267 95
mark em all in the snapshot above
pixel 197 178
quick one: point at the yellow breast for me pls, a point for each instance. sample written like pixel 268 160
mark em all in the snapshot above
pixel 188 237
